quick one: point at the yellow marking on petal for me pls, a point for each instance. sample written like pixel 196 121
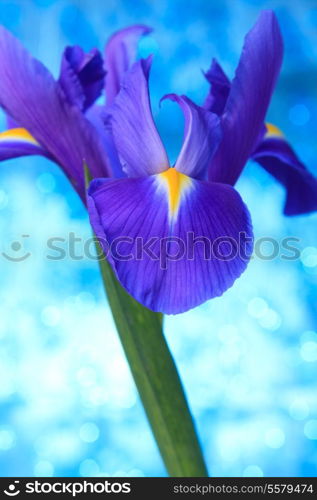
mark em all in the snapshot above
pixel 17 134
pixel 273 131
pixel 175 183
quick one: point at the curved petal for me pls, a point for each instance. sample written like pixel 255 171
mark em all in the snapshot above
pixel 171 254
pixel 219 90
pixel 120 54
pixel 278 158
pixel 82 76
pixel 18 142
pixel 134 132
pixel 202 135
pixel 249 97
pixel 29 94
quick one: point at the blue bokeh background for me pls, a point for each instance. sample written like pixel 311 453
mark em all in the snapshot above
pixel 68 405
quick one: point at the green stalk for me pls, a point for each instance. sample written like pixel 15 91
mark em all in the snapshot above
pixel 156 378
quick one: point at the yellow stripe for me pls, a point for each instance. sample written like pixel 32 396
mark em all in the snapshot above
pixel 175 183
pixel 273 131
pixel 17 134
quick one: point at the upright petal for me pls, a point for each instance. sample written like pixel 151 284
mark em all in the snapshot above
pixel 171 253
pixel 29 94
pixel 278 158
pixel 135 135
pixel 219 88
pixel 100 118
pixel 120 54
pixel 17 142
pixel 202 135
pixel 249 97
pixel 82 76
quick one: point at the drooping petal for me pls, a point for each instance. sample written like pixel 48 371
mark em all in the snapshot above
pixel 279 159
pixel 174 242
pixel 202 135
pixel 249 97
pixel 82 76
pixel 29 94
pixel 120 54
pixel 219 90
pixel 18 142
pixel 135 135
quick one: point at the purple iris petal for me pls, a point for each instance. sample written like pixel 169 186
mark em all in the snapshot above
pixel 249 97
pixel 219 90
pixel 171 258
pixel 135 135
pixel 82 76
pixel 29 94
pixel 120 54
pixel 279 159
pixel 100 118
pixel 201 138
pixel 272 153
pixel 18 142
pixel 11 123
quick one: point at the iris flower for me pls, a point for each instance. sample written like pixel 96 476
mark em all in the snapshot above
pixel 178 234
pixel 162 202
pixel 59 119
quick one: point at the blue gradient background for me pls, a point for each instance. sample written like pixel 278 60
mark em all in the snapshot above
pixel 68 405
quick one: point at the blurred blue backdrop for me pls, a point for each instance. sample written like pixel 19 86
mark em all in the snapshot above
pixel 68 405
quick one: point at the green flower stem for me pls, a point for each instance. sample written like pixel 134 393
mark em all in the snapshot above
pixel 156 378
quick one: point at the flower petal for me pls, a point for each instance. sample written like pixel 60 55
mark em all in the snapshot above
pixel 11 123
pixel 201 138
pixel 249 97
pixel 82 76
pixel 17 142
pixel 278 158
pixel 29 94
pixel 134 132
pixel 164 246
pixel 271 130
pixel 219 90
pixel 120 54
pixel 100 118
